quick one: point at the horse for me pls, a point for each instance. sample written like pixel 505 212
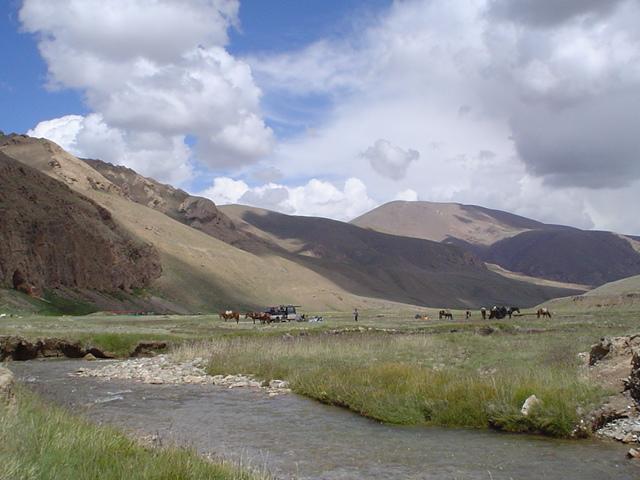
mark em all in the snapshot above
pixel 513 310
pixel 543 312
pixel 261 316
pixel 498 312
pixel 483 312
pixel 445 314
pixel 230 315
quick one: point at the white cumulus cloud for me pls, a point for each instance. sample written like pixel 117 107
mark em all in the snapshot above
pixel 154 72
pixel 314 198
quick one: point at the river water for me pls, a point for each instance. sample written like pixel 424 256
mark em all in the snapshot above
pixel 294 437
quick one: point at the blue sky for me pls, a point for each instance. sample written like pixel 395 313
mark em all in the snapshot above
pixel 24 101
pixel 266 26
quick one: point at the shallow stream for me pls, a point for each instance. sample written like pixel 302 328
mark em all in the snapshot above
pixel 294 437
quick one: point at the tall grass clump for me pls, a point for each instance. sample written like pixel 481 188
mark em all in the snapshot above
pixel 38 442
pixel 417 380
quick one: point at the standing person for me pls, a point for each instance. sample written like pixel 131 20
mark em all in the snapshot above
pixel 355 314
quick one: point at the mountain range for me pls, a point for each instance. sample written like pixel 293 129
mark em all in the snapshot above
pixel 177 252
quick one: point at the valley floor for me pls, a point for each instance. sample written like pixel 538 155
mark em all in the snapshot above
pixel 389 367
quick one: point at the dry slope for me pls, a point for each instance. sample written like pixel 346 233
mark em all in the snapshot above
pixel 52 236
pixel 517 244
pixel 386 266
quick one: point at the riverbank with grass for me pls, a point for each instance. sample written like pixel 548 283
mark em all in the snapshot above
pixel 391 367
pixel 40 442
pixel 453 380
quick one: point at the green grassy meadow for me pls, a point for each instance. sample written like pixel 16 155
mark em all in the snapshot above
pixel 389 366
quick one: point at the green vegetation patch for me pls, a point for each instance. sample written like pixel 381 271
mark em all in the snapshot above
pixel 59 305
pixel 456 380
pixel 42 443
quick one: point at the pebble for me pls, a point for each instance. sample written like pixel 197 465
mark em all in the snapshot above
pixel 626 430
pixel 162 369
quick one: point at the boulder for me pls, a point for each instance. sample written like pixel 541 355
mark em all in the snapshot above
pixel 632 383
pixel 6 385
pixel 599 350
pixel 633 453
pixel 529 404
pixel 89 357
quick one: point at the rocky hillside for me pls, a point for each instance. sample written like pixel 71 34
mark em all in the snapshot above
pixel 197 212
pixel 53 237
pixel 515 243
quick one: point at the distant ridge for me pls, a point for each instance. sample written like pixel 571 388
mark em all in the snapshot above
pixel 518 244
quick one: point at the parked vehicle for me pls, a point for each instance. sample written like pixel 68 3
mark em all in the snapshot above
pixel 282 313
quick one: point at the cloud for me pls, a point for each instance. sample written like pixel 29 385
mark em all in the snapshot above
pixel 315 198
pixel 155 71
pixel 267 174
pixel 225 190
pixel 529 113
pixel 407 195
pixel 390 160
pixel 549 13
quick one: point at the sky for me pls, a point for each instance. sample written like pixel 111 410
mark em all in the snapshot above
pixel 331 108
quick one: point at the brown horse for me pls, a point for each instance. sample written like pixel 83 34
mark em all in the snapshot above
pixel 261 316
pixel 445 314
pixel 230 315
pixel 544 312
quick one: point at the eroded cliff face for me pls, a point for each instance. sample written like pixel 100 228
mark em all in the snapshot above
pixel 197 212
pixel 52 236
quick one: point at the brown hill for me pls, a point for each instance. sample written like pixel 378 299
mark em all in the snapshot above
pixel 568 255
pixel 52 237
pixel 260 257
pixel 385 266
pixel 442 221
pixel 515 243
pixel 619 295
pixel 197 212
pixel 199 271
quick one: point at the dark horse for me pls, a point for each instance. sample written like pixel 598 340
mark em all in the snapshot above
pixel 512 310
pixel 498 312
pixel 445 314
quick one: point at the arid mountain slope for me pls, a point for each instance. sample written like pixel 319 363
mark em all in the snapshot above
pixel 52 236
pixel 441 221
pixel 568 255
pixel 385 266
pixel 199 272
pixel 621 294
pixel 260 257
pixel 518 244
pixel 197 212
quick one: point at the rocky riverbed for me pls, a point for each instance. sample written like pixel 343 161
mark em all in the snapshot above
pixel 163 369
pixel 614 363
